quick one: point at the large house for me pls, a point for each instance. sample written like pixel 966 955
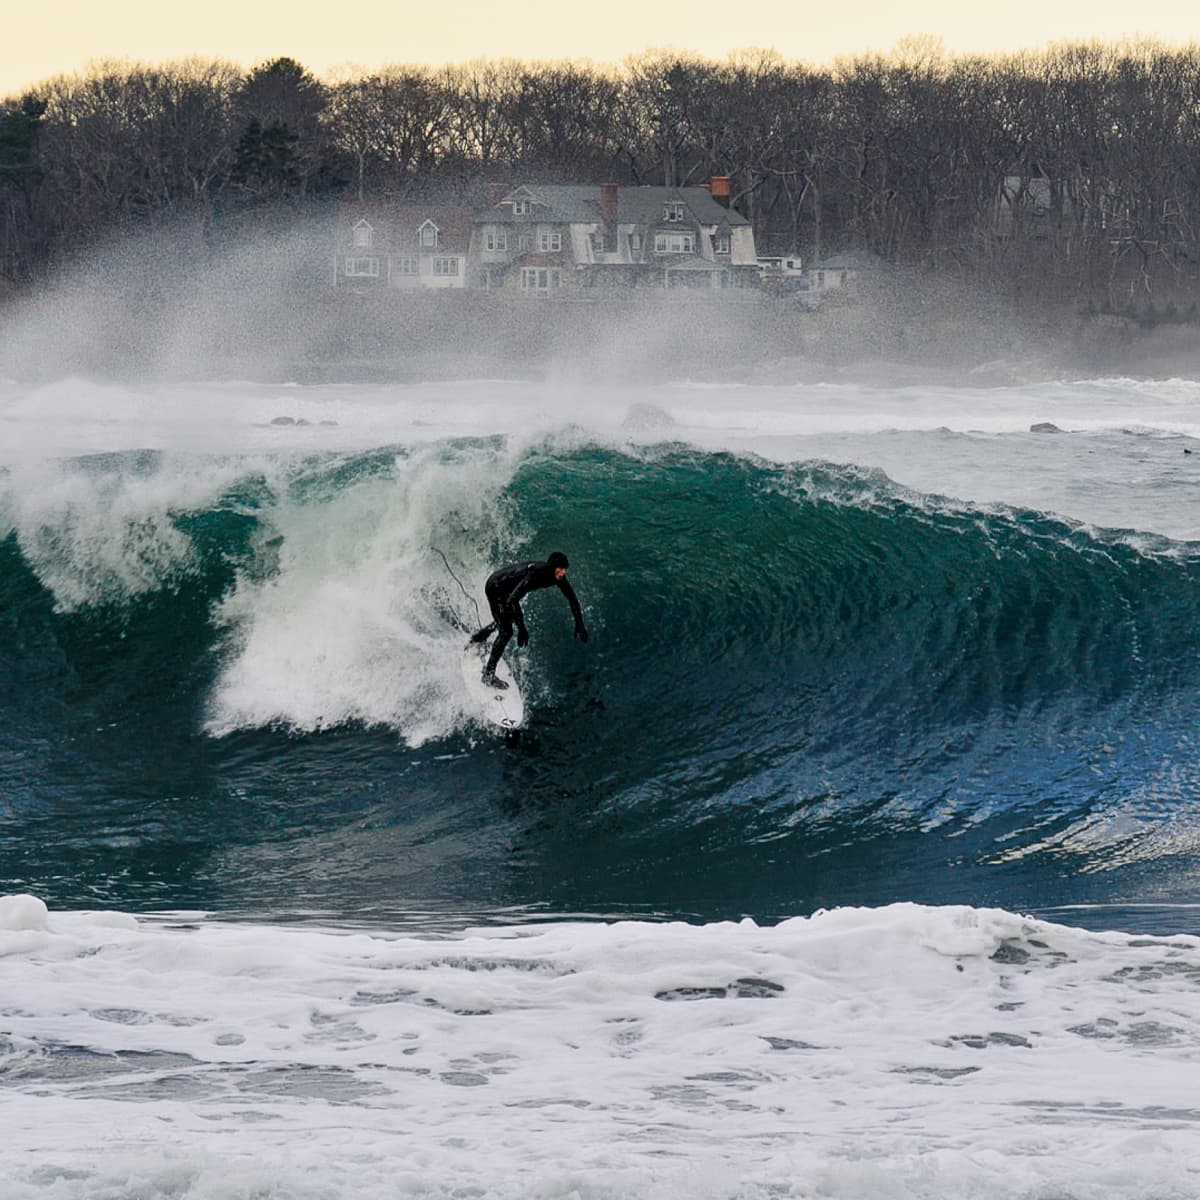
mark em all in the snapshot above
pixel 402 246
pixel 552 239
pixel 542 238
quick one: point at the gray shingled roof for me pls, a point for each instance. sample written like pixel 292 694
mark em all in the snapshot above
pixel 580 203
pixel 644 206
pixel 566 202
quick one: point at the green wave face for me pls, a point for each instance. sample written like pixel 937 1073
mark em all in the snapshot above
pixel 805 686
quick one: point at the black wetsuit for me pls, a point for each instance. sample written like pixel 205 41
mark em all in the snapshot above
pixel 505 589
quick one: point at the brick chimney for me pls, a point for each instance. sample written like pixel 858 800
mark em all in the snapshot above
pixel 719 186
pixel 495 193
pixel 608 201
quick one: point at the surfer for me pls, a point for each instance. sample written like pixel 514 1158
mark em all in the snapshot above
pixel 505 589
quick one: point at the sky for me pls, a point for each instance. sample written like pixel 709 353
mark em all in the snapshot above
pixel 55 37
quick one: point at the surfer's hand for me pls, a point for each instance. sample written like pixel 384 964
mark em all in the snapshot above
pixel 522 636
pixel 581 633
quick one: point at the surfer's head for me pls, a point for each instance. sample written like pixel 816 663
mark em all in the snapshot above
pixel 559 563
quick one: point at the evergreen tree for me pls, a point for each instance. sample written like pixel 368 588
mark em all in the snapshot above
pixel 280 151
pixel 265 164
pixel 19 124
pixel 20 171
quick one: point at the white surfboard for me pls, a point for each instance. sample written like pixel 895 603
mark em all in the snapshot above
pixel 503 707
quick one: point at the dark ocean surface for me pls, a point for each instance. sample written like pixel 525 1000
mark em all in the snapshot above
pixel 807 686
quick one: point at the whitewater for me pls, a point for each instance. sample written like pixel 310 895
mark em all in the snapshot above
pixel 854 856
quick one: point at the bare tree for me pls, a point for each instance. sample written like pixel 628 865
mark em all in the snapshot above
pixel 659 94
pixel 480 97
pixel 394 124
pixel 561 118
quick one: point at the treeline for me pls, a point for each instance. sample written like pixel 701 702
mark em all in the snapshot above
pixel 1072 171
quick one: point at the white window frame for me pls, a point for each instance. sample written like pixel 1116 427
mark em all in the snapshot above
pixel 362 232
pixel 674 243
pixel 635 241
pixel 674 210
pixel 408 264
pixel 522 208
pixel 721 243
pixel 362 267
pixel 495 239
pixel 540 281
pixel 549 241
pixel 445 266
pixel 428 235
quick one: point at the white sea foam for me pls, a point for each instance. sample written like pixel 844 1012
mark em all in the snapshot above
pixel 99 532
pixel 352 624
pixel 902 1052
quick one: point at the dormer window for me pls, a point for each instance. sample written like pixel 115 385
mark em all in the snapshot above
pixel 673 210
pixel 721 243
pixel 522 208
pixel 427 235
pixel 362 235
pixel 674 243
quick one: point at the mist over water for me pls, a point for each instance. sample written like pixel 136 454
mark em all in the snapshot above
pixel 186 301
pixel 169 306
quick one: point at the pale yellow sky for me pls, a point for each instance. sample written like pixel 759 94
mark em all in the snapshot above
pixel 62 36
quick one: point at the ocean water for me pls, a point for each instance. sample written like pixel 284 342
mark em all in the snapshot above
pixel 855 855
